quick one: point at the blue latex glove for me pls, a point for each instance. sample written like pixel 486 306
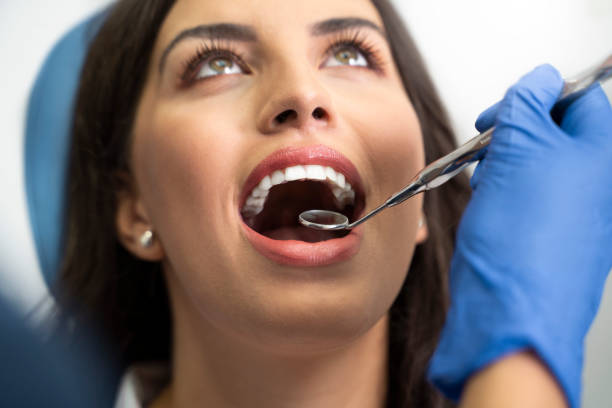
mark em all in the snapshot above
pixel 534 245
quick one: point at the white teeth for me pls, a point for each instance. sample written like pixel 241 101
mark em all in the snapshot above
pixel 340 180
pixel 278 177
pixel 338 193
pixel 344 196
pixel 265 183
pixel 351 194
pixel 255 202
pixel 331 174
pixel 343 192
pixel 259 192
pixel 295 173
pixel 314 172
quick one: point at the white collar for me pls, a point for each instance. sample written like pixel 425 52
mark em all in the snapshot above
pixel 141 383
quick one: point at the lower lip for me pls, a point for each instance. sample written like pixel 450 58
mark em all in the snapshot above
pixel 306 254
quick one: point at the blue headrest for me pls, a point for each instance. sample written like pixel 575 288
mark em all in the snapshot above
pixel 47 139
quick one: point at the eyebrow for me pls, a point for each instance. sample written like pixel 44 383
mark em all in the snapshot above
pixel 243 33
pixel 224 31
pixel 334 25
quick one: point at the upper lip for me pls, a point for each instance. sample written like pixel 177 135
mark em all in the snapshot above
pixel 292 156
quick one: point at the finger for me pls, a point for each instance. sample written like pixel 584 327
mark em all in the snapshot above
pixel 541 87
pixel 527 104
pixel 486 120
pixel 590 116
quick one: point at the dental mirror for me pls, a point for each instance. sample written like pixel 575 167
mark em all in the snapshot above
pixel 324 220
pixel 447 167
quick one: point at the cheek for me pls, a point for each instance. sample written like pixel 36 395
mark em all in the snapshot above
pixel 389 134
pixel 186 167
pixel 183 162
pixel 392 139
pixel 395 145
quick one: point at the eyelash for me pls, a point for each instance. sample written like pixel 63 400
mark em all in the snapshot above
pixel 360 42
pixel 206 52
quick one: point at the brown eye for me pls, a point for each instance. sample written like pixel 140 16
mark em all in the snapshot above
pixel 347 56
pixel 218 66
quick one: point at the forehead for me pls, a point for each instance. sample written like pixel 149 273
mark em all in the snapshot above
pixel 286 17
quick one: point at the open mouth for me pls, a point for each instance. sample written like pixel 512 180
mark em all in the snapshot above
pixel 273 206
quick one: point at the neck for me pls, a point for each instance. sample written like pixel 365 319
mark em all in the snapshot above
pixel 219 370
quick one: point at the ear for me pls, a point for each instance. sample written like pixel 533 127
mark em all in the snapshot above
pixel 132 221
pixel 423 231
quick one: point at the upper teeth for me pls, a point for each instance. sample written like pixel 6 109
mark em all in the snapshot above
pixel 343 192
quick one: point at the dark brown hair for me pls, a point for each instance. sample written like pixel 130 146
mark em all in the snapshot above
pixel 103 284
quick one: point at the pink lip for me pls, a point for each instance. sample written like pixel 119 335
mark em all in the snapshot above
pixel 304 254
pixel 299 253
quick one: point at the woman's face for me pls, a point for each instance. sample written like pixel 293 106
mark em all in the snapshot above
pixel 238 92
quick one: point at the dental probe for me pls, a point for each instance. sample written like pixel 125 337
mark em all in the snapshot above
pixel 447 167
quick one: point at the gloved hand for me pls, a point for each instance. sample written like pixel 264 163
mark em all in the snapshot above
pixel 534 245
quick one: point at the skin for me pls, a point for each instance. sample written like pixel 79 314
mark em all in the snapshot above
pixel 248 331
pixel 519 380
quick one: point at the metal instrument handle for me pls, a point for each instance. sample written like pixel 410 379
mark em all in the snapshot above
pixel 447 167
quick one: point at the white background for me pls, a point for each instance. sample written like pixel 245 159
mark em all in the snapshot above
pixel 475 49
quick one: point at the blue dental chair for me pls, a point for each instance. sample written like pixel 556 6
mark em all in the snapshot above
pixel 48 122
pixel 38 372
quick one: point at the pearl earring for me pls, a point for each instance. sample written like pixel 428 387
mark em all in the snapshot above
pixel 146 239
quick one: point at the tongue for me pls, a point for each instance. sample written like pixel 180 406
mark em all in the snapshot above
pixel 300 233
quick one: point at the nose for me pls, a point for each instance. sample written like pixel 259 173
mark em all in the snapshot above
pixel 296 101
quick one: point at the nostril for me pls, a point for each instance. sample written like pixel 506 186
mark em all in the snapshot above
pixel 290 115
pixel 285 116
pixel 319 113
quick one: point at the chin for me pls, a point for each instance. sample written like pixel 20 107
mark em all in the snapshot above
pixel 314 323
